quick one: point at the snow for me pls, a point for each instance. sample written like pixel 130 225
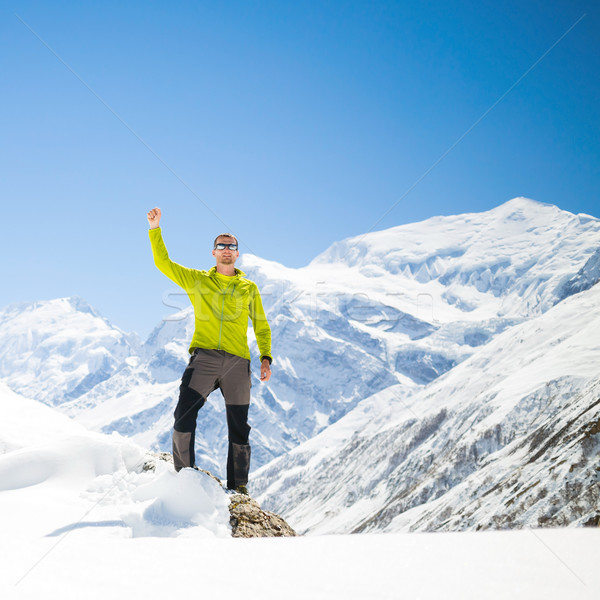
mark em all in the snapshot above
pixel 80 519
pixel 58 469
pixel 59 345
pixel 541 564
pixel 427 458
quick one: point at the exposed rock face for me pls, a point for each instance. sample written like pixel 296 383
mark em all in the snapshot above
pixel 153 457
pixel 249 520
pixel 247 517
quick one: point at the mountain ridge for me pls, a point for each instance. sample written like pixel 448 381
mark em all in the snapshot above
pixel 449 456
pixel 340 332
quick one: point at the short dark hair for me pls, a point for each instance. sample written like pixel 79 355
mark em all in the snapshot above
pixel 224 235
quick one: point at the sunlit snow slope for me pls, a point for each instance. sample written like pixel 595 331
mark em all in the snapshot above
pixel 508 438
pixel 58 478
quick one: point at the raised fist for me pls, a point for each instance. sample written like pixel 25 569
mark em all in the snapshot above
pixel 154 218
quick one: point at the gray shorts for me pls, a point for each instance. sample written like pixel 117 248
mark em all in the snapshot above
pixel 212 369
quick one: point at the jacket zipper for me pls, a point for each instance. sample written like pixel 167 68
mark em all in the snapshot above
pixel 223 309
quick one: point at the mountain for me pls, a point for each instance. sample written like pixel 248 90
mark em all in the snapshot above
pixel 508 438
pixel 399 307
pixel 57 350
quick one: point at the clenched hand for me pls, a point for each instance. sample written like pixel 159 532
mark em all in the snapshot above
pixel 154 218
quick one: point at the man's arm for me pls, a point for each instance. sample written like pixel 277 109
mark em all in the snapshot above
pixel 263 334
pixel 182 276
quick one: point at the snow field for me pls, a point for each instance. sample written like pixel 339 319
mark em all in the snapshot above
pixel 527 564
pixel 81 519
pixel 71 479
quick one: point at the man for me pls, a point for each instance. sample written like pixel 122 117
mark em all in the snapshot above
pixel 223 299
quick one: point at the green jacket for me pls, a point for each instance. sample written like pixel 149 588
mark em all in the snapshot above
pixel 221 304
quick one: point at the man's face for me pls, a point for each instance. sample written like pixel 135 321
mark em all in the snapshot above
pixel 226 256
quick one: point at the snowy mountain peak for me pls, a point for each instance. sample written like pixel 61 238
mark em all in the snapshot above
pixel 53 349
pixel 80 305
pixel 521 207
pixel 521 204
pixel 54 306
pixel 445 235
pixel 511 259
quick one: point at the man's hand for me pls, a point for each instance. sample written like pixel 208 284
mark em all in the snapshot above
pixel 265 370
pixel 154 218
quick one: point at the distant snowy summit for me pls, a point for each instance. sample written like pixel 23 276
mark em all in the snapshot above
pixel 513 222
pixel 510 260
pixel 56 350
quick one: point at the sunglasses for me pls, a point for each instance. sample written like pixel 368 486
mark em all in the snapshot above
pixel 223 246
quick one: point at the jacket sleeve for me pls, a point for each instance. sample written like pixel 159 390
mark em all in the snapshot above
pixel 182 276
pixel 260 325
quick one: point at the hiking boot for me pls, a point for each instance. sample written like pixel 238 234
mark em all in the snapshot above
pixel 242 489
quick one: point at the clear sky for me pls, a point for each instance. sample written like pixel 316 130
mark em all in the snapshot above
pixel 292 124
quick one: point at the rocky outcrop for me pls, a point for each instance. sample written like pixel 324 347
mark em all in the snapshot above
pixel 152 458
pixel 247 519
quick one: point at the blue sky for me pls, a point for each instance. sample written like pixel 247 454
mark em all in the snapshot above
pixel 292 124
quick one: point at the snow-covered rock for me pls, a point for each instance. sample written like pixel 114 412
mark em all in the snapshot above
pixel 64 473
